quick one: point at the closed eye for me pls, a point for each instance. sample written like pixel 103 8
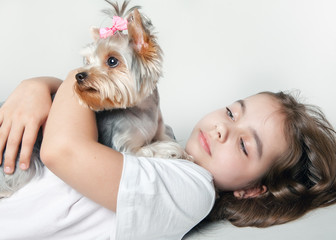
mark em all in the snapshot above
pixel 241 141
pixel 229 113
pixel 242 146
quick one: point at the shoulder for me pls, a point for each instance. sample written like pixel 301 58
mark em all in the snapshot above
pixel 168 172
pixel 172 194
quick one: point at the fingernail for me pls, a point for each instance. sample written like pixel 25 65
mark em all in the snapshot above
pixel 23 166
pixel 7 170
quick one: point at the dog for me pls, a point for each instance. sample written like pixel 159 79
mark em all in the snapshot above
pixel 119 82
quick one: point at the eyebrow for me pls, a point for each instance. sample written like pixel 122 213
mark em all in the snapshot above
pixel 242 105
pixel 258 141
pixel 254 132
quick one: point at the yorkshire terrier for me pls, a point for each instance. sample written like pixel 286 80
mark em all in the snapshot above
pixel 119 82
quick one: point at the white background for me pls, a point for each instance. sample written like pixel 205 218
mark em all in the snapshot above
pixel 216 51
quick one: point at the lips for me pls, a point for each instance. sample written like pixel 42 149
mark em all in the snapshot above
pixel 204 143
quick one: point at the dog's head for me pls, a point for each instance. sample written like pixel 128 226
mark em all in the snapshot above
pixel 121 69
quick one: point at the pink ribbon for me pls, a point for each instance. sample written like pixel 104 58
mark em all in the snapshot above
pixel 119 24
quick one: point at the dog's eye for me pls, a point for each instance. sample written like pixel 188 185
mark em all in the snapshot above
pixel 112 62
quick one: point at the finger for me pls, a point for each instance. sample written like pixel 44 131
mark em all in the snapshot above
pixel 12 147
pixel 28 141
pixel 4 132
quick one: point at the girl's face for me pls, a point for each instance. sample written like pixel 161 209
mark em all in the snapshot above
pixel 238 144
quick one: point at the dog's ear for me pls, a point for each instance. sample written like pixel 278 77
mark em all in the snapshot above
pixel 95 33
pixel 137 34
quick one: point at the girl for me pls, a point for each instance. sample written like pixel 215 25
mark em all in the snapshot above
pixel 263 160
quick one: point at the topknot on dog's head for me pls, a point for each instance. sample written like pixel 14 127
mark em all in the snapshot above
pixel 117 10
pixel 129 14
pixel 124 12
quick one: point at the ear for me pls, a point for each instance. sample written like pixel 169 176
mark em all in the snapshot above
pixel 95 33
pixel 136 32
pixel 250 192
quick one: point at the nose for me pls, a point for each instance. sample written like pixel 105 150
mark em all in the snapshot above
pixel 221 132
pixel 80 77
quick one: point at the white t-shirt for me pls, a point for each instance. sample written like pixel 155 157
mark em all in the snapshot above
pixel 157 199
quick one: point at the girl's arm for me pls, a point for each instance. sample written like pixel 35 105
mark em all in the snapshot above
pixel 70 149
pixel 21 117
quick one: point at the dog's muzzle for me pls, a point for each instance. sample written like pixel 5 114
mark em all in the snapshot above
pixel 80 77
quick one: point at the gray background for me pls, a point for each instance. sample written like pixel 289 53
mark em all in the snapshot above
pixel 216 52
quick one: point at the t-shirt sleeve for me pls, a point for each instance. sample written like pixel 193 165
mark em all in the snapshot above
pixel 161 198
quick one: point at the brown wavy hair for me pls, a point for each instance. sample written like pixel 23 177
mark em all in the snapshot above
pixel 302 179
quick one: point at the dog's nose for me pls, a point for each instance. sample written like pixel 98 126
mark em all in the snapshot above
pixel 80 77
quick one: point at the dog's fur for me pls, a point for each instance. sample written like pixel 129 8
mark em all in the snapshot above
pixel 119 82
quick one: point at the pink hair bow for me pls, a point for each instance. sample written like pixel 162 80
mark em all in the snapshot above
pixel 119 24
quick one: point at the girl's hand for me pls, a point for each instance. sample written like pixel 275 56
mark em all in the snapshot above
pixel 21 117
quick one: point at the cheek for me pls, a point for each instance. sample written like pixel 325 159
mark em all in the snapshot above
pixel 193 147
pixel 228 172
pixel 191 144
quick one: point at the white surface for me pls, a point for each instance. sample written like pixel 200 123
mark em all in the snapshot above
pixel 316 225
pixel 215 52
